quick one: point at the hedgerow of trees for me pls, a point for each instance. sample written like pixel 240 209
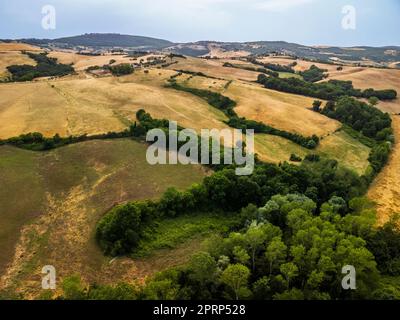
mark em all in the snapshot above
pixel 45 67
pixel 313 74
pixel 287 248
pixel 330 90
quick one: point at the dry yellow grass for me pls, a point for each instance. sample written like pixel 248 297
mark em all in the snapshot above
pixel 365 78
pixel 17 46
pixel 82 62
pixel 348 151
pixel 385 190
pixel 275 149
pixel 214 68
pixel 281 110
pixel 98 105
pixel 8 58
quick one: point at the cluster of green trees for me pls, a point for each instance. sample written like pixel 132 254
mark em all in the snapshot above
pixel 121 69
pixel 287 248
pixel 314 74
pixel 120 230
pixel 35 141
pixel 45 67
pixel 330 90
pixel 362 117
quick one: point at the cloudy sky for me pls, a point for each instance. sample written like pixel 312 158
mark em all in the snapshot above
pixel 312 22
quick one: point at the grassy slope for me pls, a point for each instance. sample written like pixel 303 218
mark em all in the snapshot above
pixel 284 111
pixel 93 106
pixel 76 185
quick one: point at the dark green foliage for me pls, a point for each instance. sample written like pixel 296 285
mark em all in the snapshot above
pixel 300 258
pixel 379 156
pixel 385 245
pixel 317 106
pixel 330 90
pixel 361 117
pixel 37 142
pixel 122 69
pixel 215 99
pixel 226 191
pixel 122 228
pixel 314 74
pixel 46 67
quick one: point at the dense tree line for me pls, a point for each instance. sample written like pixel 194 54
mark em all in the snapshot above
pixel 360 116
pixel 121 69
pixel 286 248
pixel 330 90
pixel 118 232
pixel 45 67
pixel 314 74
pixel 35 141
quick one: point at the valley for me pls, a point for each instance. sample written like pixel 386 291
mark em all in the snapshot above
pixel 54 199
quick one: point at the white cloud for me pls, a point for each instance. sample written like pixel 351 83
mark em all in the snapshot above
pixel 281 5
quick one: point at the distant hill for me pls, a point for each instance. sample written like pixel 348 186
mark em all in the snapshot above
pixel 106 40
pixel 322 53
pixel 379 56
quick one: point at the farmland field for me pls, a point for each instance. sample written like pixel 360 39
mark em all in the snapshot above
pixel 282 110
pixel 98 105
pixel 54 199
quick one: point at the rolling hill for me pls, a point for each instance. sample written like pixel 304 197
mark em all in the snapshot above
pixel 375 56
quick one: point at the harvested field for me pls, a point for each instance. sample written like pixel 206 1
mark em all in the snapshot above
pixel 281 110
pixel 98 105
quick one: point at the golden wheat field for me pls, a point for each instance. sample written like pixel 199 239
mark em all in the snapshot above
pixel 281 110
pixel 98 105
